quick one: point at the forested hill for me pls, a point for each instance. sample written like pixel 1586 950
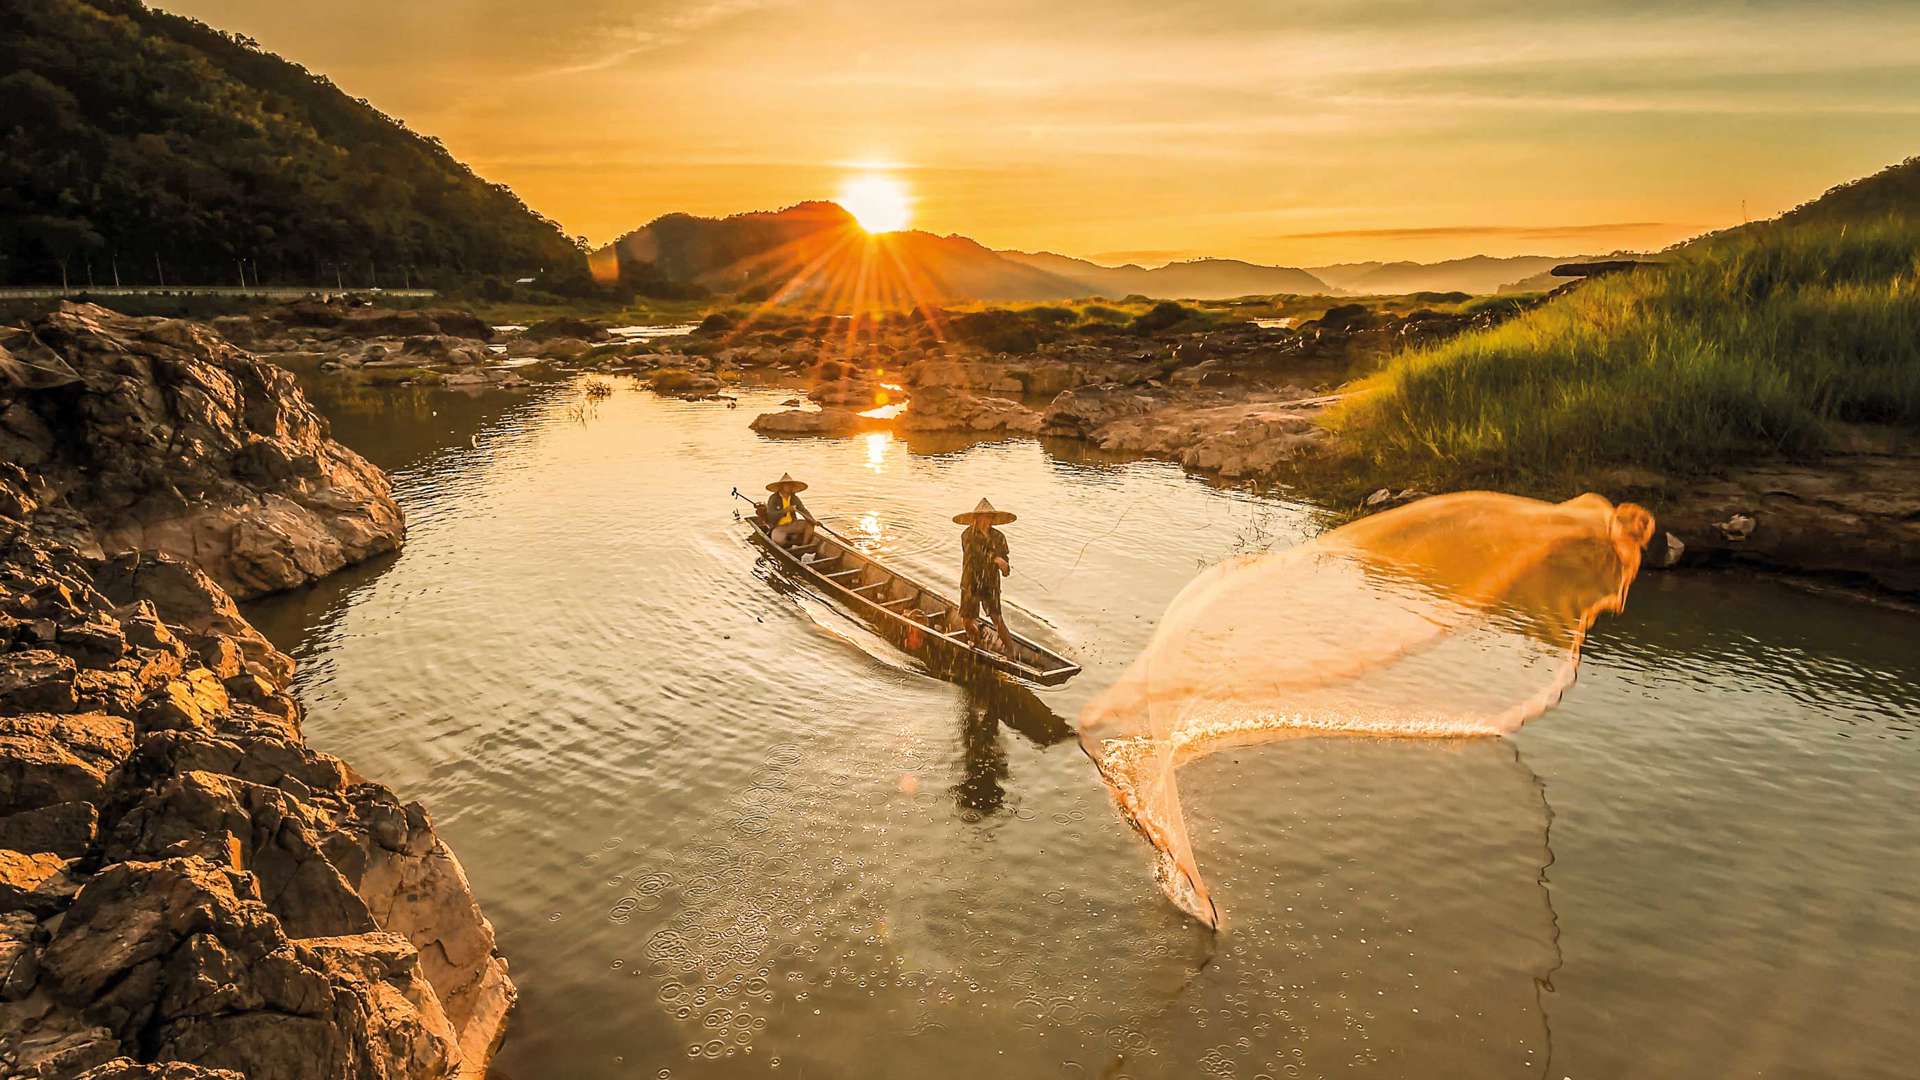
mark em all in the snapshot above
pixel 128 133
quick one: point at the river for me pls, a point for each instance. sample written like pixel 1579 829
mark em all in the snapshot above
pixel 722 831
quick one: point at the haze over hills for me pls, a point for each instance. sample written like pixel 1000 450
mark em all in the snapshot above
pixel 811 248
pixel 817 247
pixel 128 133
pixel 1195 279
pixel 1473 274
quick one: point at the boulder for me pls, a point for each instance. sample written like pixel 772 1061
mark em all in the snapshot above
pixel 175 440
pixel 67 829
pixel 817 422
pixel 180 876
pixel 943 409
pixel 567 326
pixel 1080 413
pixel 686 384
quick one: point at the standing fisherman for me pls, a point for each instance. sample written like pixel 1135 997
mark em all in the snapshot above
pixel 983 563
pixel 787 518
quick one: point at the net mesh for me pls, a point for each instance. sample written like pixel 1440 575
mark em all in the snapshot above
pixel 1459 615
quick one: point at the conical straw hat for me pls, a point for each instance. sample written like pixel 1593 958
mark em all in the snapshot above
pixel 786 483
pixel 986 510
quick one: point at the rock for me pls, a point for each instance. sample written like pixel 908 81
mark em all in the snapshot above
pixel 1736 528
pixel 182 955
pixel 175 440
pixel 67 829
pixel 1853 514
pixel 47 759
pixel 820 422
pixel 844 392
pixel 567 326
pixel 36 679
pixel 125 1068
pixel 180 876
pixel 686 384
pixel 562 349
pixel 36 884
pixel 1079 413
pixel 943 409
pixel 1666 552
pixel 21 940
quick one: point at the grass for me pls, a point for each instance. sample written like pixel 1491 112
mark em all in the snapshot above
pixel 1760 343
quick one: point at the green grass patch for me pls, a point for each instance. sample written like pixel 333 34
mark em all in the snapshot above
pixel 1753 344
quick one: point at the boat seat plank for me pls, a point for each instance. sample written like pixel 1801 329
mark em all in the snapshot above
pixel 843 573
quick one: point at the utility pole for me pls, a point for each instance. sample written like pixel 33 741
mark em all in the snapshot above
pixel 241 265
pixel 116 269
pixel 63 277
pixel 89 274
pixel 338 281
pixel 159 270
pixel 373 273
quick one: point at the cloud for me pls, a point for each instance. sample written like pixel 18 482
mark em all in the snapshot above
pixel 1524 232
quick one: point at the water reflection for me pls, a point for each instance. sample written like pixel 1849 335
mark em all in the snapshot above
pixel 986 706
pixel 677 788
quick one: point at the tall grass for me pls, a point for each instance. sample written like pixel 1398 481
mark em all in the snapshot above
pixel 1745 345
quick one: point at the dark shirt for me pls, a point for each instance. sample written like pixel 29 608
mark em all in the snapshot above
pixel 978 575
pixel 780 505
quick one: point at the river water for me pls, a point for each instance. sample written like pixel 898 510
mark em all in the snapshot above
pixel 722 831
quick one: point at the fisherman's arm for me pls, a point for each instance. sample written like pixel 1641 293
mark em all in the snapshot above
pixel 1002 556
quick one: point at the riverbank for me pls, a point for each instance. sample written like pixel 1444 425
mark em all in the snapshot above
pixel 181 878
pixel 1267 402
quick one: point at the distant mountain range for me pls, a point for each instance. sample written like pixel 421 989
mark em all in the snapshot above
pixel 816 249
pixel 1474 274
pixel 1196 279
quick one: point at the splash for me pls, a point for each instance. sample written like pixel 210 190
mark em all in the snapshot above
pixel 1455 616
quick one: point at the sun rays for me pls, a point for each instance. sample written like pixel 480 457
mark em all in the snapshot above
pixel 878 201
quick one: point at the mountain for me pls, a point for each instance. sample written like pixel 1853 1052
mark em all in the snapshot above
pixel 1196 279
pixel 128 133
pixel 1475 274
pixel 816 250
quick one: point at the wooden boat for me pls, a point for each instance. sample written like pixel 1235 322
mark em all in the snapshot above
pixel 907 612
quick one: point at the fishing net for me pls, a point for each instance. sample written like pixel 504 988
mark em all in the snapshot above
pixel 1459 615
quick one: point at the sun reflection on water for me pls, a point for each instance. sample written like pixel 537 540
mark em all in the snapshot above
pixel 878 443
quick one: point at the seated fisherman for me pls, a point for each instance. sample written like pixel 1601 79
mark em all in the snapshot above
pixel 787 519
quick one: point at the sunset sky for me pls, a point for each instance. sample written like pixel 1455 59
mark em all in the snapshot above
pixel 1299 133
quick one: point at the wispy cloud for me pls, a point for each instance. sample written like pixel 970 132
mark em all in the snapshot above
pixel 1523 232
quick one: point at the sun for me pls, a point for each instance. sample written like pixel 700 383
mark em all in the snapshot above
pixel 878 201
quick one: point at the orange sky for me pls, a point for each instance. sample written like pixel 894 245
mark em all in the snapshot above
pixel 1298 133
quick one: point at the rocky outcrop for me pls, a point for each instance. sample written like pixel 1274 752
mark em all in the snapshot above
pixel 186 889
pixel 814 422
pixel 942 409
pixel 1234 439
pixel 158 434
pixel 1854 514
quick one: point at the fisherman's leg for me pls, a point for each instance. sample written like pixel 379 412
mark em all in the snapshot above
pixel 785 535
pixel 970 616
pixel 992 605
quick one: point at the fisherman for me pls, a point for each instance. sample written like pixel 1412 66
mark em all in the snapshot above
pixel 787 518
pixel 983 563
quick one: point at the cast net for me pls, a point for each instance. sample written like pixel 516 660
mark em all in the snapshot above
pixel 1459 615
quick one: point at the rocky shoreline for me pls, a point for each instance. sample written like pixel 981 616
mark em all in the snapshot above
pixel 1237 401
pixel 186 888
